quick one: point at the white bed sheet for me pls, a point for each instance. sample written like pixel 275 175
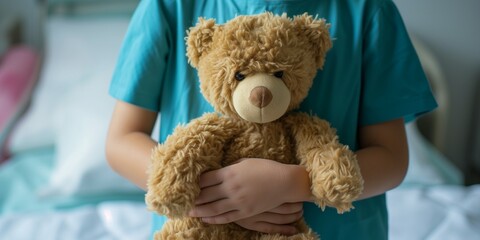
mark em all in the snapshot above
pixel 443 212
pixel 106 221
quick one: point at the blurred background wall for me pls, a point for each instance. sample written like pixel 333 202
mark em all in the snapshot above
pixel 29 14
pixel 32 13
pixel 451 30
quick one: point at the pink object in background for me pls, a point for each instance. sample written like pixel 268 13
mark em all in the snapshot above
pixel 18 73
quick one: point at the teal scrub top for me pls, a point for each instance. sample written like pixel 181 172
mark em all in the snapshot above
pixel 371 75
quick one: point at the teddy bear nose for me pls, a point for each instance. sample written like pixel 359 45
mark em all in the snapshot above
pixel 260 96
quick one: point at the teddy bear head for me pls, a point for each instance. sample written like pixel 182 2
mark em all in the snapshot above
pixel 257 67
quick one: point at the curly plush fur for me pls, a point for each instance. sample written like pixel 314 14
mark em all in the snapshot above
pixel 265 44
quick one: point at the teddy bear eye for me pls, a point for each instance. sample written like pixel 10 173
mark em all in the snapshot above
pixel 239 76
pixel 278 74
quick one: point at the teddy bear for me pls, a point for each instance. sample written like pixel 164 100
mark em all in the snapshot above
pixel 255 71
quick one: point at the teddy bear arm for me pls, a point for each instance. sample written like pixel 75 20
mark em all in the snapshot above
pixel 177 165
pixel 334 173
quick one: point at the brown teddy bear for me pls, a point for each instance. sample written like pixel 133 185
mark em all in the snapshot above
pixel 254 70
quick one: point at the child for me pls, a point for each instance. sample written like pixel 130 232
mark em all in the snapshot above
pixel 372 80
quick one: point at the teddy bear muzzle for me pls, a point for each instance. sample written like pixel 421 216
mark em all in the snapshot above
pixel 261 98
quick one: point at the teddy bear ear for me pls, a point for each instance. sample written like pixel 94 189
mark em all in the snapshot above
pixel 316 31
pixel 199 39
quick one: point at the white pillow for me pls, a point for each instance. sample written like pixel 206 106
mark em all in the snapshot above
pixel 81 123
pixel 71 108
pixel 76 48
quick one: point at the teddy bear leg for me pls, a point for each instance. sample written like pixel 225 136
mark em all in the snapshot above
pixel 187 235
pixel 181 229
pixel 299 236
pixel 305 233
pixel 194 229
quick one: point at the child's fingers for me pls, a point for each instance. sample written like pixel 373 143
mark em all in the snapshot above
pixel 210 194
pixel 270 228
pixel 224 218
pixel 213 209
pixel 275 218
pixel 211 178
pixel 288 208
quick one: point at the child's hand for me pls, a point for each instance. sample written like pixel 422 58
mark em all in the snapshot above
pixel 245 189
pixel 277 220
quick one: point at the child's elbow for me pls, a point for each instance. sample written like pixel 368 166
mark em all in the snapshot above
pixel 401 168
pixel 110 153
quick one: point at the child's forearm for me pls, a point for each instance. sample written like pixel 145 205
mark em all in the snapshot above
pixel 383 160
pixel 381 170
pixel 383 156
pixel 128 145
pixel 129 156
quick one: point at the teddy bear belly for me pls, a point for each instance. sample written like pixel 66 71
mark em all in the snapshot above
pixel 269 144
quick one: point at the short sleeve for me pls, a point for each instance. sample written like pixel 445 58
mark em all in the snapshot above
pixel 393 82
pixel 140 69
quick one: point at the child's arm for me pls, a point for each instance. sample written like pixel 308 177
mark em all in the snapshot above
pixel 383 160
pixel 383 156
pixel 129 145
